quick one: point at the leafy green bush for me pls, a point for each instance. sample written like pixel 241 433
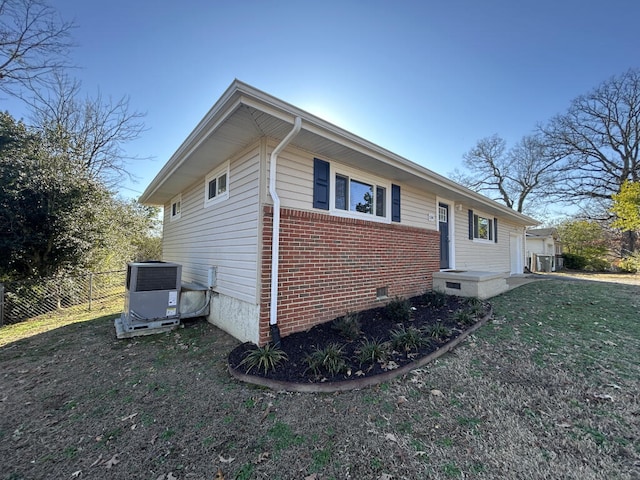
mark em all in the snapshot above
pixel 597 265
pixel 329 359
pixel 630 264
pixel 348 326
pixel 573 261
pixel 372 351
pixel 267 358
pixel 399 309
pixel 407 339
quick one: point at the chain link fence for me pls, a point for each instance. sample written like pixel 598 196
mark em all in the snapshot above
pixel 23 300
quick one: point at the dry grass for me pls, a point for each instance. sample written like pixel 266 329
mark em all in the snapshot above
pixel 548 390
pixel 56 319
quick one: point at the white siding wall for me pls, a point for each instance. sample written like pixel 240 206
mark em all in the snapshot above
pixel 542 246
pixel 295 188
pixel 224 234
pixel 483 255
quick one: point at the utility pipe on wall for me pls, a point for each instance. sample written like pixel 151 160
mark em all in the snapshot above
pixel 275 238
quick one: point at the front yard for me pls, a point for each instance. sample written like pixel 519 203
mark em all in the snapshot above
pixel 548 389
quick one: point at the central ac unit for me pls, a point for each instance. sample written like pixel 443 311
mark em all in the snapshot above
pixel 152 297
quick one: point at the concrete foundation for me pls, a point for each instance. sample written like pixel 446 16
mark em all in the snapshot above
pixel 471 283
pixel 236 317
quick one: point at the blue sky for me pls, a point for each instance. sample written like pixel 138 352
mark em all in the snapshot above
pixel 424 79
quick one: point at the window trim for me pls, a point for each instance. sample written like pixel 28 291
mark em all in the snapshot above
pixel 177 200
pixel 361 177
pixel 215 175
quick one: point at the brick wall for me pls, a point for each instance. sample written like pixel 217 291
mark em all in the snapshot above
pixel 330 265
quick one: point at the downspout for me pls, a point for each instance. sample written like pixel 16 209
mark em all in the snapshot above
pixel 275 238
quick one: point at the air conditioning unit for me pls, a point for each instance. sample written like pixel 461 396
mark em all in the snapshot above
pixel 152 298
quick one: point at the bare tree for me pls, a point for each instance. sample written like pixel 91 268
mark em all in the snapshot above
pixel 598 138
pixel 34 42
pixel 516 177
pixel 88 132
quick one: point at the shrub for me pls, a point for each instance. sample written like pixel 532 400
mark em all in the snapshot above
pixel 407 339
pixel 348 326
pixel 573 261
pixel 630 264
pixel 435 298
pixel 330 359
pixel 372 351
pixel 465 317
pixel 399 309
pixel 438 331
pixel 475 306
pixel 597 265
pixel 267 358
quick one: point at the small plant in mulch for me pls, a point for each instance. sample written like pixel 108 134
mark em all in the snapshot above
pixel 349 326
pixel 435 298
pixel 329 359
pixel 465 317
pixel 475 306
pixel 266 358
pixel 407 339
pixel 398 310
pixel 372 351
pixel 438 331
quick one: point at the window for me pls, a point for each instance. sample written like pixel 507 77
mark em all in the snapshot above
pixel 358 194
pixel 361 197
pixel 216 186
pixel 482 228
pixel 176 206
pixel 443 214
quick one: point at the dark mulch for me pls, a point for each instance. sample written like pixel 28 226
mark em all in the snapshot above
pixel 376 324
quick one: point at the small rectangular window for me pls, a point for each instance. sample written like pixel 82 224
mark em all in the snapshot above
pixel 176 207
pixel 482 228
pixel 216 186
pixel 442 214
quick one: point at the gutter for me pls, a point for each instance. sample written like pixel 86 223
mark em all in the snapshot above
pixel 275 238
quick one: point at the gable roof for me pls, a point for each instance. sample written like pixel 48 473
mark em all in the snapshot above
pixel 542 232
pixel 243 114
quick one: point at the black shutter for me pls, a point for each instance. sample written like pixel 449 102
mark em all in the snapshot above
pixel 395 203
pixel 495 230
pixel 470 224
pixel 320 184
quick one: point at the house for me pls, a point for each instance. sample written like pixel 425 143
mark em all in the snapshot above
pixel 286 206
pixel 544 250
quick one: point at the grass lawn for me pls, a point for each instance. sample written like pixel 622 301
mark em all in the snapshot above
pixel 548 389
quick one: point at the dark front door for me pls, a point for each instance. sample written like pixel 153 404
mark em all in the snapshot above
pixel 443 221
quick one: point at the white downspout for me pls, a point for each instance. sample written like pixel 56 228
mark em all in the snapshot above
pixel 275 240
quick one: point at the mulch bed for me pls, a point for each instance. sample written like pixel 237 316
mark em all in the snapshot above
pixel 376 324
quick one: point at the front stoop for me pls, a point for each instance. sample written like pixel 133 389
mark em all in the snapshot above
pixel 471 283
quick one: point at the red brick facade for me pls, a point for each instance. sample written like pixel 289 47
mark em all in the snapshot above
pixel 330 265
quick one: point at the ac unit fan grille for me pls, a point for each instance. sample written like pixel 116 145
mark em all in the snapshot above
pixel 156 278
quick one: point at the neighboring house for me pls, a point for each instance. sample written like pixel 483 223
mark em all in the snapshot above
pixel 286 205
pixel 544 250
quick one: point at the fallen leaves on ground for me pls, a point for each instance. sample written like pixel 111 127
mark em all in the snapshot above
pixel 112 461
